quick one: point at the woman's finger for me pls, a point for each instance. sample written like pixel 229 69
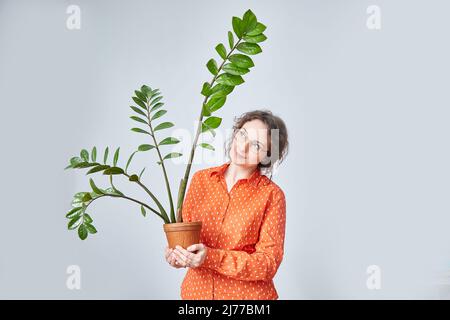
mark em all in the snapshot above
pixel 180 256
pixel 171 258
pixel 180 264
pixel 172 261
pixel 182 260
pixel 195 247
pixel 168 252
pixel 184 252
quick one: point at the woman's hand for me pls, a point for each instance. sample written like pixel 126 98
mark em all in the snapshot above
pixel 170 258
pixel 192 257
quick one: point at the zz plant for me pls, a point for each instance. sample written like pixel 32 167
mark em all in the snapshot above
pixel 148 111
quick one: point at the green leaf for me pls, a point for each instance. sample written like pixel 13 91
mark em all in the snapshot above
pixel 249 21
pixel 235 70
pixel 139 103
pixel 205 111
pixel 237 26
pixel 156 106
pixel 220 90
pixel 206 89
pixel 230 39
pixel 258 30
pixel 86 197
pixel 82 232
pixel 213 122
pixel 129 161
pixel 140 130
pixel 113 191
pixel 116 156
pixel 172 155
pixel 212 66
pixel 169 140
pixel 118 192
pixel 206 128
pixel 90 228
pixel 137 110
pixel 163 125
pixel 155 92
pixel 94 154
pixel 82 165
pixel 255 39
pixel 87 218
pixel 159 114
pixel 155 100
pixel 94 187
pixel 74 161
pixel 141 173
pixel 207 146
pixel 216 103
pixel 138 119
pixel 105 155
pixel 72 213
pixel 113 170
pixel 242 61
pixel 146 90
pixel 141 96
pixel 145 147
pixel 84 154
pixel 77 199
pixel 229 79
pixel 97 169
pixel 220 48
pixel 73 223
pixel 94 195
pixel 134 178
pixel 143 211
pixel 249 48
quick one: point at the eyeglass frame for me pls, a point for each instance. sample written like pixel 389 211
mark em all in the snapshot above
pixel 246 138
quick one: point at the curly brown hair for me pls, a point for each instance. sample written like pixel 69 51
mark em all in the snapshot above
pixel 280 141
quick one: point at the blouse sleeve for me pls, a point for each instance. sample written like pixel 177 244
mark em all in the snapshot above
pixel 264 262
pixel 189 200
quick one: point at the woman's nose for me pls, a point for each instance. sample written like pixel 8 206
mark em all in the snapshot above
pixel 243 148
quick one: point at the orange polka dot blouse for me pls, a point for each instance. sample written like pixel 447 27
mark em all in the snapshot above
pixel 244 231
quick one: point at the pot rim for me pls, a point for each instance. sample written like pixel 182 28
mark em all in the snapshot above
pixel 181 226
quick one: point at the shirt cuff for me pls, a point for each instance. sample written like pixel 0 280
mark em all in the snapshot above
pixel 212 259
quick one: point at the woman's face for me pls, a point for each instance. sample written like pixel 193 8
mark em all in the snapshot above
pixel 250 144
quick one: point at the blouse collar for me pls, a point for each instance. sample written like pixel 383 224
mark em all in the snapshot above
pixel 219 171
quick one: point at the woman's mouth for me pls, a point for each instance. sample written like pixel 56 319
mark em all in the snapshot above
pixel 240 155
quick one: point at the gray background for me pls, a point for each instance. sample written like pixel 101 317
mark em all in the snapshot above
pixel 366 179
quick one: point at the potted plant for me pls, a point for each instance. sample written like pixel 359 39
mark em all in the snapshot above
pixel 148 110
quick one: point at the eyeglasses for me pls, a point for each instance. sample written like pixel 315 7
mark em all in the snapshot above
pixel 255 146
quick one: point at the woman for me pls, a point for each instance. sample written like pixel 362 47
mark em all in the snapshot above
pixel 243 214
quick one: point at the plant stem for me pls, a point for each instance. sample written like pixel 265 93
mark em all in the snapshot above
pixel 184 181
pixel 131 199
pixel 161 208
pixel 169 192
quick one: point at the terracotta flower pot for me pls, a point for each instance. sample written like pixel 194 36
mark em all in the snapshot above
pixel 183 234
